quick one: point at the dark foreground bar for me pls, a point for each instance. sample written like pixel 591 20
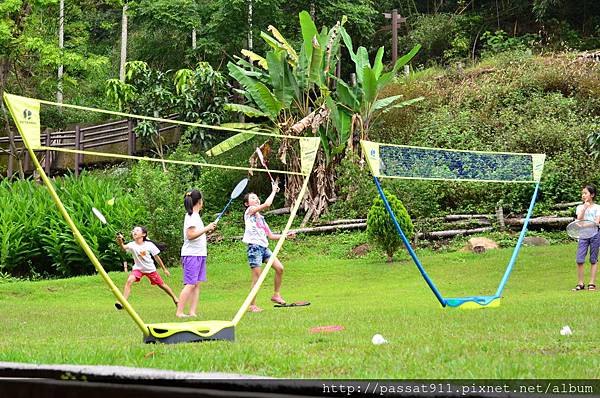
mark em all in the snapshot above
pixel 53 381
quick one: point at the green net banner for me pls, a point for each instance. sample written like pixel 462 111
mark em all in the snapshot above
pixel 409 162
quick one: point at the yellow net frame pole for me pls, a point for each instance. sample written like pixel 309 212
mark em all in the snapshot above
pixel 76 233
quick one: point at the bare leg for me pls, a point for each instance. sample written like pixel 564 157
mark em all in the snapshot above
pixel 593 272
pixel 184 297
pixel 580 273
pixel 255 275
pixel 127 288
pixel 195 295
pixel 169 291
pixel 278 267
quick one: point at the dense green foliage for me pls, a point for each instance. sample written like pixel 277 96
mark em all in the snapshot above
pixel 381 228
pixel 196 95
pixel 35 239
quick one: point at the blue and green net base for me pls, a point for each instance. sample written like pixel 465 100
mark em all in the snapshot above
pixel 473 302
pixel 190 332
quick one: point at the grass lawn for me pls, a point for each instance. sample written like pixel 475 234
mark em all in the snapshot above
pixel 73 321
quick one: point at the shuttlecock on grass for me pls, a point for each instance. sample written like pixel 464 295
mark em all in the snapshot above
pixel 378 339
pixel 110 202
pixel 566 331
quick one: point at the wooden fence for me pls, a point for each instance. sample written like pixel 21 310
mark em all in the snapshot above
pixel 81 138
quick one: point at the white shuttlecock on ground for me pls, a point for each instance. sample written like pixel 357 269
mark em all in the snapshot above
pixel 566 331
pixel 378 339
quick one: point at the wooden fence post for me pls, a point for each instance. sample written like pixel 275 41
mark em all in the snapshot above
pixel 500 216
pixel 130 138
pixel 47 161
pixel 394 36
pixel 78 147
pixel 25 160
pixel 396 21
pixel 11 146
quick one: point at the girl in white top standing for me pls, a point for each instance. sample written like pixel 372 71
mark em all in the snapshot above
pixel 256 236
pixel 193 253
pixel 591 212
pixel 143 250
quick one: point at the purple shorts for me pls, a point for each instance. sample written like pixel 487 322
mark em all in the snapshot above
pixel 593 244
pixel 194 269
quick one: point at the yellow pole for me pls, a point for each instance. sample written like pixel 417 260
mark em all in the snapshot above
pixel 76 232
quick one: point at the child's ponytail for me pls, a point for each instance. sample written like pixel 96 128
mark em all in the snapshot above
pixel 161 246
pixel 191 199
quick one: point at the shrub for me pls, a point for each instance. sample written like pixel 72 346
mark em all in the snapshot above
pixel 381 229
pixel 36 240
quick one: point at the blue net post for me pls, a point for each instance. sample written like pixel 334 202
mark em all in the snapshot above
pixel 412 253
pixel 519 242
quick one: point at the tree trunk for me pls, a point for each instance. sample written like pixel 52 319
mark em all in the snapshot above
pixel 123 43
pixel 61 45
pixel 250 43
pixel 321 188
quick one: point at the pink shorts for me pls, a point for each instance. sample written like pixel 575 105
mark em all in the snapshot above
pixel 154 277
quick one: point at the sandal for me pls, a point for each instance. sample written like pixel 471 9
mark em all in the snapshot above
pixel 579 287
pixel 277 299
pixel 254 308
pixel 592 287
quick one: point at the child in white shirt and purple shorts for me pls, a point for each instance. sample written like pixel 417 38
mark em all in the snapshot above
pixel 193 253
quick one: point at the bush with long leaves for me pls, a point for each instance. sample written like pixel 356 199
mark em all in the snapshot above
pixel 35 239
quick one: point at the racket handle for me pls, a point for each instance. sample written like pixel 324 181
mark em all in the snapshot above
pixel 223 212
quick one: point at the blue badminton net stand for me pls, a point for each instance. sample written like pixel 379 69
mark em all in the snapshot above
pixel 396 161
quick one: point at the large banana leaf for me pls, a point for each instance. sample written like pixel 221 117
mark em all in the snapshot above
pixel 346 95
pixel 386 77
pixel 260 94
pixel 369 85
pixel 362 60
pixel 229 143
pixel 403 104
pixel 290 50
pixel 252 56
pixel 316 64
pixel 378 63
pixel 279 77
pixel 309 31
pixel 245 109
pixel 348 43
pixel 385 102
pixel 341 121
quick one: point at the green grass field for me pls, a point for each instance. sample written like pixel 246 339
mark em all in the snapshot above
pixel 73 321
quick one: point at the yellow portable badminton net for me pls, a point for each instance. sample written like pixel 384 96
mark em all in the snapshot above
pixel 26 115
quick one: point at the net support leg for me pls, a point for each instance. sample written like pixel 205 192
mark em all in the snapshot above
pixel 412 253
pixel 515 253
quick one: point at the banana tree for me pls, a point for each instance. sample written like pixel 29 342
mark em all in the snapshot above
pixel 289 89
pixel 293 91
pixel 362 103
